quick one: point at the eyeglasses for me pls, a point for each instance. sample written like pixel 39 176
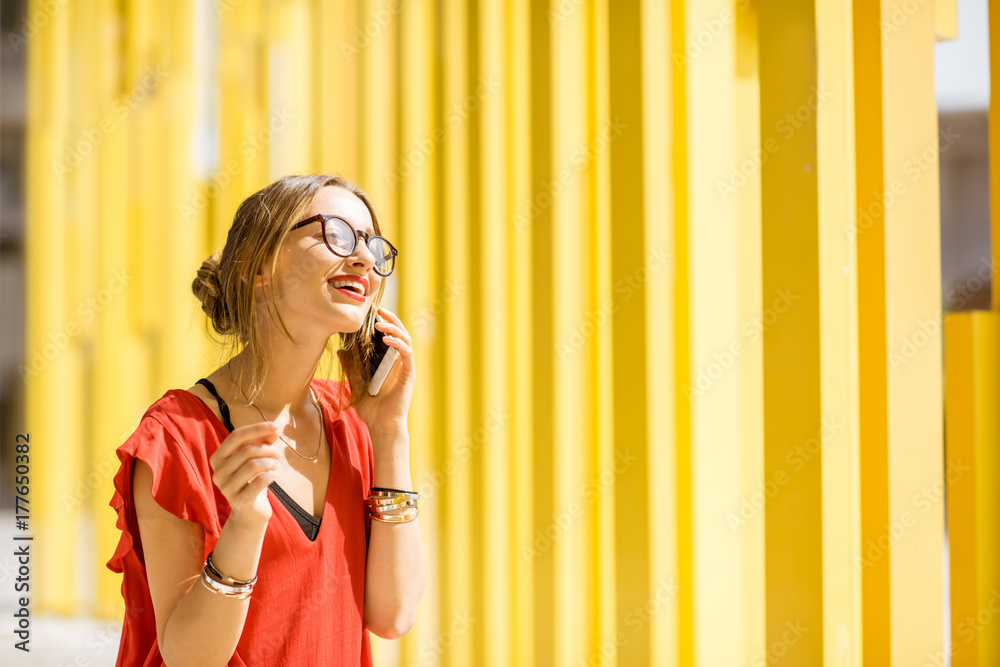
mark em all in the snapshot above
pixel 342 239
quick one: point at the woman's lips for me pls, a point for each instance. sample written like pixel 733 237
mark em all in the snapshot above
pixel 349 293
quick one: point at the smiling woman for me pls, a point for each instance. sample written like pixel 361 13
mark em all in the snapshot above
pixel 246 501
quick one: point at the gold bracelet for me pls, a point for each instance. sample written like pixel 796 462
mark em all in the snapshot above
pixel 218 576
pixel 239 592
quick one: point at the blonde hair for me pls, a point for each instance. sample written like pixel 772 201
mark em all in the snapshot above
pixel 259 229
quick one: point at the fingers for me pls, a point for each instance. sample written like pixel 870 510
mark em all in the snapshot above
pixel 393 327
pixel 246 453
pixel 259 432
pixel 257 485
pixel 258 470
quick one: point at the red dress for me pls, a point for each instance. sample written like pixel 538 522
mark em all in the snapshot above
pixel 307 605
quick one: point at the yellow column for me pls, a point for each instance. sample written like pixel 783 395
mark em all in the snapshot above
pixel 913 333
pixel 681 311
pixel 838 291
pixel 456 488
pixel 520 327
pixel 565 246
pixel 537 224
pixel 751 369
pixel 339 47
pixel 422 300
pixel 661 108
pixel 791 332
pixel 47 363
pixel 490 440
pixel 867 230
pixel 715 353
pixel 972 365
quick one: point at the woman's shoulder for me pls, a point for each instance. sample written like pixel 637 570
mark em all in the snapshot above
pixel 177 419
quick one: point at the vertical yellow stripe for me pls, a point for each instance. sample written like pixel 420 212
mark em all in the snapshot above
pixel 659 259
pixel 520 327
pixel 868 233
pixel 490 436
pixel 455 564
pixel 566 245
pixel 791 321
pixel 422 300
pixel 748 201
pixel 46 257
pixel 839 334
pixel 681 298
pixel 336 71
pixel 537 225
pixel 913 319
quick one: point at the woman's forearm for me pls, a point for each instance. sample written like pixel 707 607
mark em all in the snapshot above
pixel 205 627
pixel 395 571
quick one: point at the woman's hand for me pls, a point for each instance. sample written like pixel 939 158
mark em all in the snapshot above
pixel 388 411
pixel 243 466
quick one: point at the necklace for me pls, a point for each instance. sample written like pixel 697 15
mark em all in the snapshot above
pixel 288 444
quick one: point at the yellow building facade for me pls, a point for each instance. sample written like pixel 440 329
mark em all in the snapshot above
pixel 672 273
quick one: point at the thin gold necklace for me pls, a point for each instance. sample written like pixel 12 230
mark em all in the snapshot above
pixel 288 444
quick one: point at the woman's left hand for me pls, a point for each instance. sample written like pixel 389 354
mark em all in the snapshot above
pixel 387 411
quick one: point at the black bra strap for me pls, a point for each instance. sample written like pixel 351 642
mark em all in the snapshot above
pixel 223 408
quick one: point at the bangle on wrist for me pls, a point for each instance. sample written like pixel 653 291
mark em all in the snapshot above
pixel 239 592
pixel 382 499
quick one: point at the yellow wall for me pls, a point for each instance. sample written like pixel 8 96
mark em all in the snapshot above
pixel 661 300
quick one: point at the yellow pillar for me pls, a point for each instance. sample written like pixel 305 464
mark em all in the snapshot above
pixel 972 366
pixel 913 333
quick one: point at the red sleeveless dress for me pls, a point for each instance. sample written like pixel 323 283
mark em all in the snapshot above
pixel 307 605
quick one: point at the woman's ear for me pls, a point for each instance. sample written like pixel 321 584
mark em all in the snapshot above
pixel 262 280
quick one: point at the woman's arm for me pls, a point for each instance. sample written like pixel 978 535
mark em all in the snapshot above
pixel 195 626
pixel 394 573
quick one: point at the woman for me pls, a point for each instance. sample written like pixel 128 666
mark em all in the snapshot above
pixel 246 502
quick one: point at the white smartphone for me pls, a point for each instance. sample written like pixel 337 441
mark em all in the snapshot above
pixel 382 362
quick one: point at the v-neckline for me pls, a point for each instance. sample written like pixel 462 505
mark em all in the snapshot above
pixel 273 494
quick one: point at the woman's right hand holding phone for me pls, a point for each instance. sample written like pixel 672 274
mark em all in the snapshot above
pixel 243 466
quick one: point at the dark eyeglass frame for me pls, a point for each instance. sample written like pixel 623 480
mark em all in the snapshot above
pixel 358 233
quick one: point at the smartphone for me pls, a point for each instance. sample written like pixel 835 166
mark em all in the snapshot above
pixel 381 362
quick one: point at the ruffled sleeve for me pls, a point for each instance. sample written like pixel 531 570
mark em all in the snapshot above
pixel 182 482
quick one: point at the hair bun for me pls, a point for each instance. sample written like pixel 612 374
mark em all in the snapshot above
pixel 207 286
